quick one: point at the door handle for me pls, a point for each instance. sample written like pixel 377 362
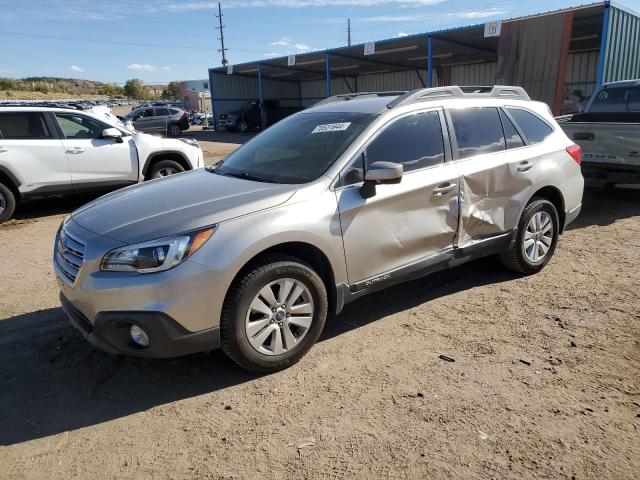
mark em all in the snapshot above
pixel 74 150
pixel 3 149
pixel 584 136
pixel 444 189
pixel 524 166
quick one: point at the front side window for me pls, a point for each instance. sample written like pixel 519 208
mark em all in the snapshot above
pixel 415 142
pixel 298 149
pixel 478 131
pixel 534 128
pixel 23 126
pixel 78 126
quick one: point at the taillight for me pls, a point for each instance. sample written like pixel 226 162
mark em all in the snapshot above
pixel 576 153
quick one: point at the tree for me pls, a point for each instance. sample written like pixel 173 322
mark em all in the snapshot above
pixel 172 91
pixel 134 88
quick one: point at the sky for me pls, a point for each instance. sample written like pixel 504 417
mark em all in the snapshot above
pixel 162 40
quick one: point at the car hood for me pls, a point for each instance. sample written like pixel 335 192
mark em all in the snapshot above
pixel 177 204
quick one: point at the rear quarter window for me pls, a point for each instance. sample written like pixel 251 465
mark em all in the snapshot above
pixel 23 126
pixel 535 129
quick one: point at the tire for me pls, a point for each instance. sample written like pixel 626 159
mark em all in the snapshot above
pixel 7 203
pixel 174 130
pixel 260 355
pixel 243 127
pixel 518 258
pixel 164 168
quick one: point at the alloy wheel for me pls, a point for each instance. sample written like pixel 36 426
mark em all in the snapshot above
pixel 279 316
pixel 165 172
pixel 538 237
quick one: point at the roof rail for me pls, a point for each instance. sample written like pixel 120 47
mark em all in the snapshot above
pixel 358 95
pixel 435 93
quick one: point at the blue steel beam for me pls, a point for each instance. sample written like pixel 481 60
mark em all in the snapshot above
pixel 603 45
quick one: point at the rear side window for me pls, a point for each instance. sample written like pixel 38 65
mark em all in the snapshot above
pixel 478 131
pixel 535 129
pixel 174 112
pixel 23 126
pixel 513 138
pixel 610 100
pixel 414 141
pixel 162 112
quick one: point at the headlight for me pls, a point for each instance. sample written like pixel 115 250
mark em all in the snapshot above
pixel 156 255
pixel 189 141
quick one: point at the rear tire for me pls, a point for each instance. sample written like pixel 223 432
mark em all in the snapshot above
pixel 164 168
pixel 535 243
pixel 174 130
pixel 7 203
pixel 258 330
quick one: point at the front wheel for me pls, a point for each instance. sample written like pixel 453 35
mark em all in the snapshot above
pixel 273 315
pixel 7 203
pixel 164 168
pixel 535 243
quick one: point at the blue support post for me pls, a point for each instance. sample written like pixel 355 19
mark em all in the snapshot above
pixel 328 74
pixel 603 45
pixel 263 120
pixel 429 62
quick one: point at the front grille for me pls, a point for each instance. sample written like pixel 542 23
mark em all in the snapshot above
pixel 69 255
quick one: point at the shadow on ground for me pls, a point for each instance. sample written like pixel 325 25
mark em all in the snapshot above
pixel 54 381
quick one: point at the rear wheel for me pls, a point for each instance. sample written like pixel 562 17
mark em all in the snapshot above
pixel 273 315
pixel 537 237
pixel 164 168
pixel 7 203
pixel 174 130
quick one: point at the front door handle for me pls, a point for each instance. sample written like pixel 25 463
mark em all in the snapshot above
pixel 74 150
pixel 443 189
pixel 524 166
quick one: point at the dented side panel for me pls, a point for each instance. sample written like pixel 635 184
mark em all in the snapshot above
pixel 401 224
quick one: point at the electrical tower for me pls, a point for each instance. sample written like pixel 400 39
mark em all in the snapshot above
pixel 221 38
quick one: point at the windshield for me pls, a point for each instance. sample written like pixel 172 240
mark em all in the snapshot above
pixel 299 149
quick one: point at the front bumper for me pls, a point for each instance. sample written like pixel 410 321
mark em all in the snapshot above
pixel 167 338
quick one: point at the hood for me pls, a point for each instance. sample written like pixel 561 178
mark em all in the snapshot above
pixel 177 204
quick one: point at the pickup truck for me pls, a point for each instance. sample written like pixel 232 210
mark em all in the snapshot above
pixel 247 118
pixel 609 133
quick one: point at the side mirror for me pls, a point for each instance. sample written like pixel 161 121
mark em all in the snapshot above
pixel 380 173
pixel 113 134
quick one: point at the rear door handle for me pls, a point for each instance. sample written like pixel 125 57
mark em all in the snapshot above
pixel 3 149
pixel 444 189
pixel 74 150
pixel 524 166
pixel 584 136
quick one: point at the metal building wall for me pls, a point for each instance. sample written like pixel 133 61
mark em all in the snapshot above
pixel 581 72
pixel 473 74
pixel 621 59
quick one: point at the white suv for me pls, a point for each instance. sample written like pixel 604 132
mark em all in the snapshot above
pixel 56 151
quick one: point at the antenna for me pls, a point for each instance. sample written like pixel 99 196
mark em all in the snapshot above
pixel 221 38
pixel 348 31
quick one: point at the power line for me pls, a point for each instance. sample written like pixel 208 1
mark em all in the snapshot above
pixel 221 28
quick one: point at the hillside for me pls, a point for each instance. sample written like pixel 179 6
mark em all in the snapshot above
pixel 55 87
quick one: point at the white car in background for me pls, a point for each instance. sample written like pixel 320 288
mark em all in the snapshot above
pixel 48 152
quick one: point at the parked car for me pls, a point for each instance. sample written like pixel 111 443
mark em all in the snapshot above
pixel 247 118
pixel 56 151
pixel 165 120
pixel 608 132
pixel 328 205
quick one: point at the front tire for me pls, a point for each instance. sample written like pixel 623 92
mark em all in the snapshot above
pixel 7 203
pixel 535 243
pixel 273 314
pixel 165 168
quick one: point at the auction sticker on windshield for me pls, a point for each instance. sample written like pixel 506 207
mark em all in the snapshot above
pixel 331 127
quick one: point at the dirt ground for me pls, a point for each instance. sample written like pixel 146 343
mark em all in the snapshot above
pixel 545 383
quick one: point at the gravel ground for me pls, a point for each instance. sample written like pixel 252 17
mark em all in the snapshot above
pixel 545 381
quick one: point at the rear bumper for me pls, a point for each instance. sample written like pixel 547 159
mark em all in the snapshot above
pixel 571 215
pixel 167 338
pixel 598 174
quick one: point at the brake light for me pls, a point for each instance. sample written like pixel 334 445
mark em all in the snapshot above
pixel 576 153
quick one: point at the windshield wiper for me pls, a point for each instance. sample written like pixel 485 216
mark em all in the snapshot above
pixel 245 176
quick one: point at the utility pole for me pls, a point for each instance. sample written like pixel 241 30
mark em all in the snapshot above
pixel 348 31
pixel 221 38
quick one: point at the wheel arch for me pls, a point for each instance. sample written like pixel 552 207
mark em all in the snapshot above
pixel 554 195
pixel 307 253
pixel 169 155
pixel 8 179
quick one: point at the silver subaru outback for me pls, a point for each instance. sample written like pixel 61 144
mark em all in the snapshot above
pixel 360 192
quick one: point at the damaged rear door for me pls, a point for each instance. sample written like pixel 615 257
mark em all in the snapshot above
pixel 496 172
